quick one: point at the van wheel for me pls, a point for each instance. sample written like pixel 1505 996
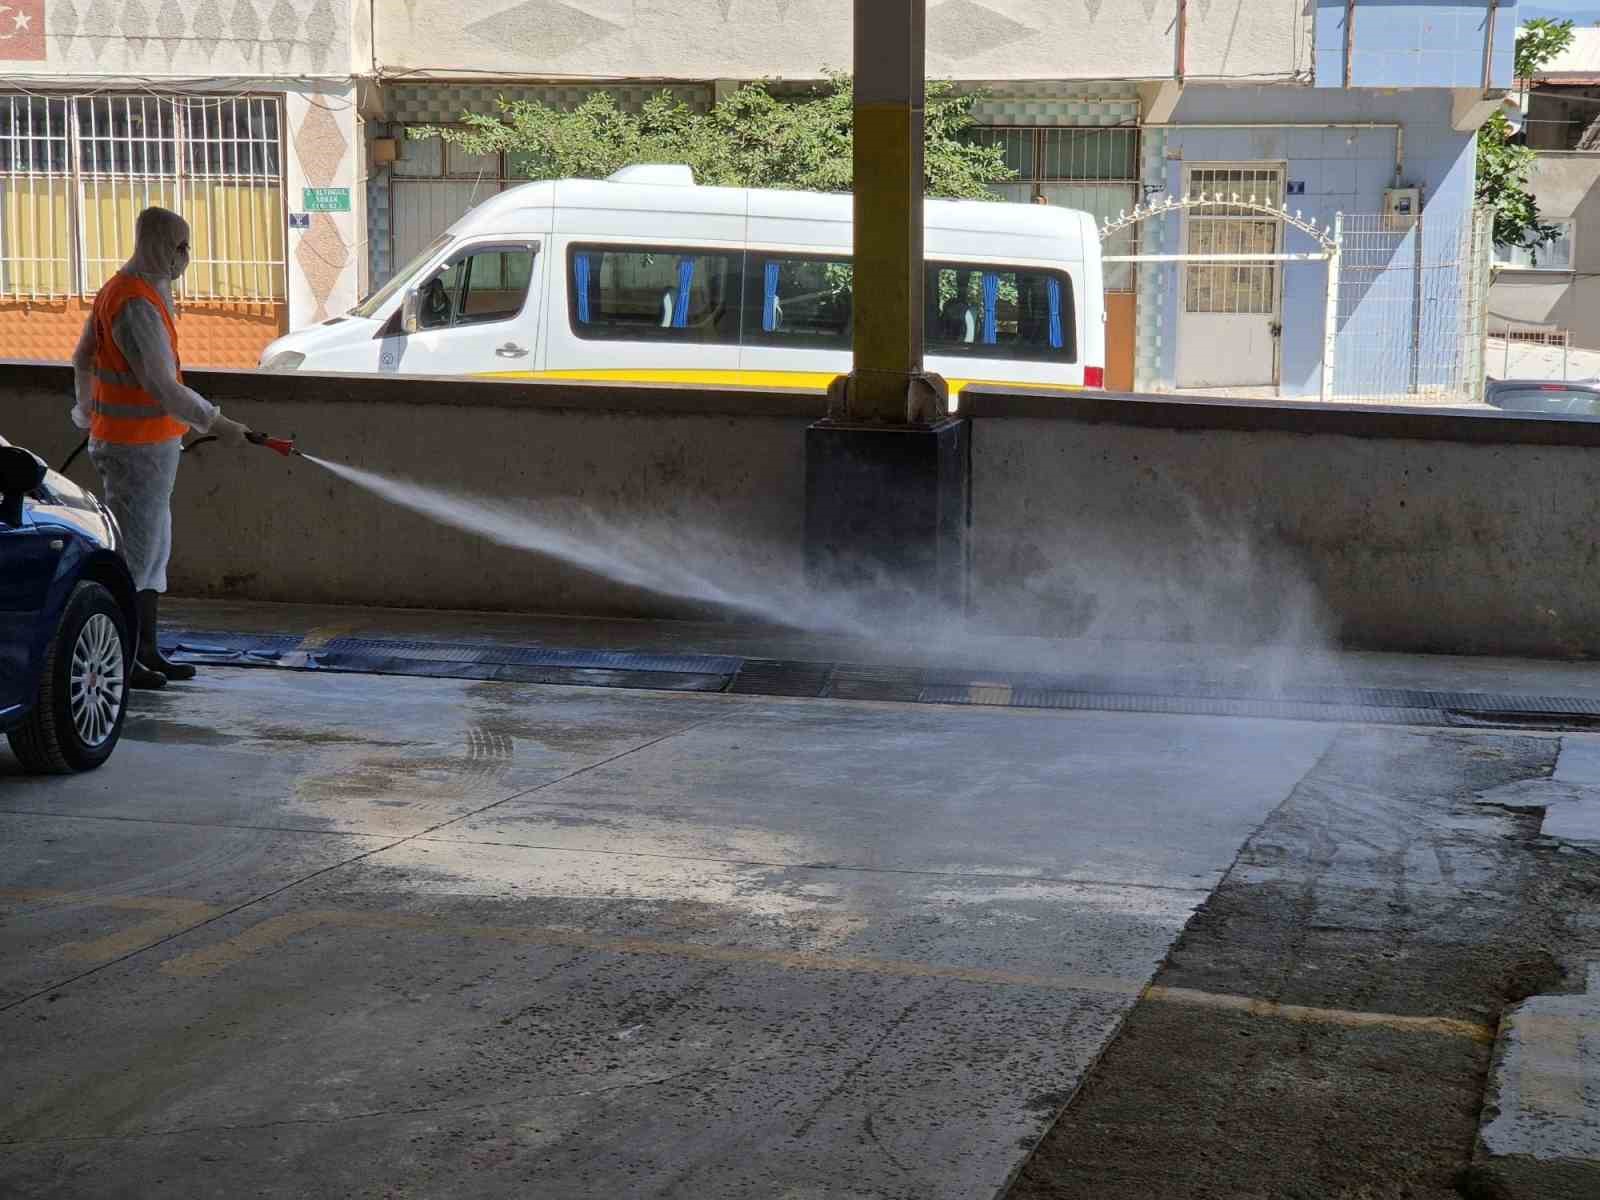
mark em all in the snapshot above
pixel 83 689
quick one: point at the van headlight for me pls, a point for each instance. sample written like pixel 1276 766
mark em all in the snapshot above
pixel 286 360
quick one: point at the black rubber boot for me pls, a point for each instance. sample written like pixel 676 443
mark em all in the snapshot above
pixel 149 651
pixel 143 677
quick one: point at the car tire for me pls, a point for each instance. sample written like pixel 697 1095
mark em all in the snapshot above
pixel 77 716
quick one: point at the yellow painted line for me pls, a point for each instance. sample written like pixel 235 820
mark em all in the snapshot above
pixel 319 637
pixel 1554 1094
pixel 989 693
pixel 271 932
pixel 1443 1026
pixel 175 915
pixel 812 381
pixel 275 930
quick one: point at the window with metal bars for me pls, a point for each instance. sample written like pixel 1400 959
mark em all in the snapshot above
pixel 1091 168
pixel 1250 288
pixel 75 171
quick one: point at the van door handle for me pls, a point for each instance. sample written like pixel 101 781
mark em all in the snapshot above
pixel 511 350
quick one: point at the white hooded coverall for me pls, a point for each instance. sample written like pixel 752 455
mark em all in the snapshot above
pixel 138 480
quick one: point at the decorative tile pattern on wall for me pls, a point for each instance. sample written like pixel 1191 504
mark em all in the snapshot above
pixel 378 264
pixel 322 137
pixel 1152 289
pixel 211 334
pixel 435 104
pixel 1040 104
pixel 231 38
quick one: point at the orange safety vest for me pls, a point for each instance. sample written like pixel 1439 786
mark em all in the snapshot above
pixel 124 412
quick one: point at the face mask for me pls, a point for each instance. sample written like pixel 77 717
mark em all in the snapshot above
pixel 180 259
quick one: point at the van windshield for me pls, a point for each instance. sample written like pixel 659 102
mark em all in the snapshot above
pixel 369 307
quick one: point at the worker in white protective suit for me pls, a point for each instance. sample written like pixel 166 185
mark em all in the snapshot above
pixel 132 400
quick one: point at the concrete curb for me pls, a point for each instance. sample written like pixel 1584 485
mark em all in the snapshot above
pixel 1539 1138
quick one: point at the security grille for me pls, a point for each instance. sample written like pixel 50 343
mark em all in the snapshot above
pixel 1249 288
pixel 76 171
pixel 36 205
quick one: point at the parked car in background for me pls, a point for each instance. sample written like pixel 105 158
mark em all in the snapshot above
pixel 68 621
pixel 1544 396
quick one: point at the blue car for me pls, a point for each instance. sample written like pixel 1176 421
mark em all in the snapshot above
pixel 68 620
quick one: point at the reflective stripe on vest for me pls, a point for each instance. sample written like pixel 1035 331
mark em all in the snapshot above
pixel 122 411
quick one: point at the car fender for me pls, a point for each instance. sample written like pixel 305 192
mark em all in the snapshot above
pixel 81 561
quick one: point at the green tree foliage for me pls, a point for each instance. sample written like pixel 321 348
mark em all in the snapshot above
pixel 751 139
pixel 1503 167
pixel 1538 42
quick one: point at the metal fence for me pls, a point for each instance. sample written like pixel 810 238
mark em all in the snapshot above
pixel 1412 305
pixel 1523 349
pixel 75 171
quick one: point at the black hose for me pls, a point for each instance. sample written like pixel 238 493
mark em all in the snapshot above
pixel 71 458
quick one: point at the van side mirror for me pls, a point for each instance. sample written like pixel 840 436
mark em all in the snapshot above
pixel 410 307
pixel 20 472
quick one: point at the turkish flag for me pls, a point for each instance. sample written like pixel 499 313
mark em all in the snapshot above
pixel 22 30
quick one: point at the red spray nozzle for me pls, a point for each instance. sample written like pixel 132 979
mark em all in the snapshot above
pixel 284 446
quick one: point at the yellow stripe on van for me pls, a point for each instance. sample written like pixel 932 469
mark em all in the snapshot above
pixel 809 381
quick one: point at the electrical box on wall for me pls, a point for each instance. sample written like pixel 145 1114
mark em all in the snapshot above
pixel 1401 207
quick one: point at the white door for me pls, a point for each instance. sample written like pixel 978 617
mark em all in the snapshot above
pixel 1228 319
pixel 478 315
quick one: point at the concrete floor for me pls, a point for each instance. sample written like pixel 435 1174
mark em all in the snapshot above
pixel 314 935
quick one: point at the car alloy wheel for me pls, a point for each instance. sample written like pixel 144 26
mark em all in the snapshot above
pixel 97 681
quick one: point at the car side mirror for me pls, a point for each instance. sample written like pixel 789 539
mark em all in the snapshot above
pixel 20 472
pixel 410 308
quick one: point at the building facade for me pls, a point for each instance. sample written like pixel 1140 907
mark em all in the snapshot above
pixel 1108 105
pixel 238 115
pixel 1553 293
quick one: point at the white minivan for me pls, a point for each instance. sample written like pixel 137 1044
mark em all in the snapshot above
pixel 645 277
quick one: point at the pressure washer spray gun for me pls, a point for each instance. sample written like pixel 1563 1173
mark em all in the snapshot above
pixel 284 446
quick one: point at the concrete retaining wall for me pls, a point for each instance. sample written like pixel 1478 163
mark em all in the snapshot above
pixel 1389 528
pixel 613 462
pixel 1096 516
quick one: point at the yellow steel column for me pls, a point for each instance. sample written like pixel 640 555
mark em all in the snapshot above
pixel 888 473
pixel 888 383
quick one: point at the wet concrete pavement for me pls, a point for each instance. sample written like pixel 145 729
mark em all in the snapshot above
pixel 347 935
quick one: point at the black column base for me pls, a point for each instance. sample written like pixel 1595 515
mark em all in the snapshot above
pixel 887 513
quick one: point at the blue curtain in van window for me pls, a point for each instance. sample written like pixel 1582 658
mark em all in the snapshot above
pixel 1056 340
pixel 680 311
pixel 769 299
pixel 580 276
pixel 991 316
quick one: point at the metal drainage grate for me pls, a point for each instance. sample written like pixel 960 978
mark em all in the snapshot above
pixel 856 681
pixel 780 677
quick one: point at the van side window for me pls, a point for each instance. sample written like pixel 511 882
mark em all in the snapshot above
pixel 988 311
pixel 496 286
pixel 489 283
pixel 806 303
pixel 981 310
pixel 655 294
